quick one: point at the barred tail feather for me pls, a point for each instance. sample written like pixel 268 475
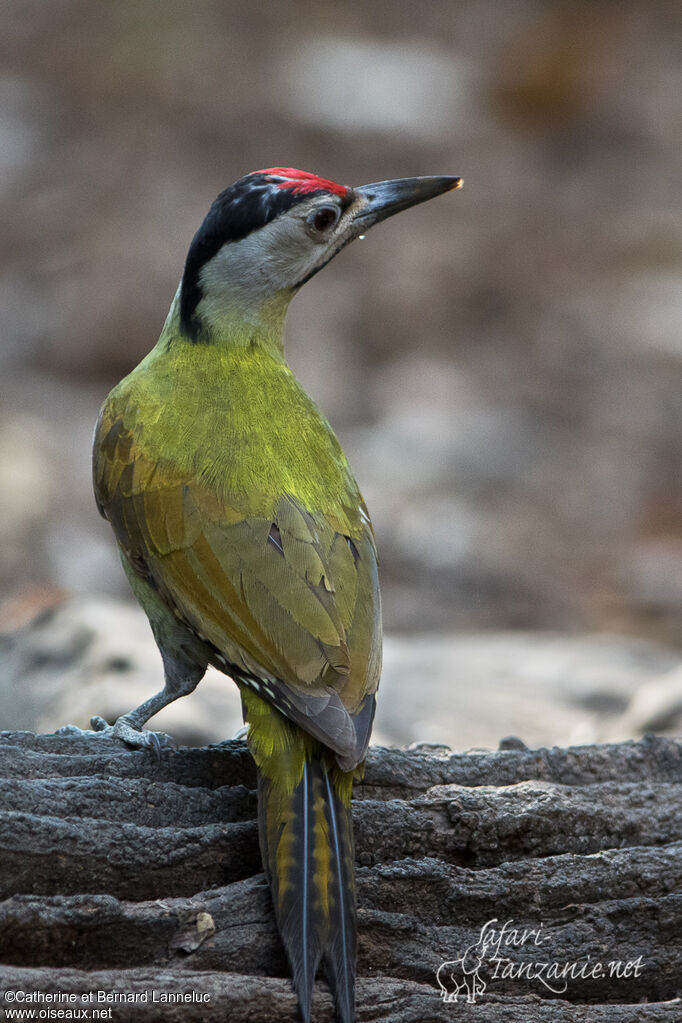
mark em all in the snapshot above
pixel 340 954
pixel 307 846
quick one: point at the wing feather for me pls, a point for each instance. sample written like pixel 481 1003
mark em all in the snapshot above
pixel 302 611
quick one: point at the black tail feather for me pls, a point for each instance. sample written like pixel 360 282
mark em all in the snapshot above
pixel 340 954
pixel 307 847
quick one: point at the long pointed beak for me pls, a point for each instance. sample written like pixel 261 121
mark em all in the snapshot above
pixel 384 198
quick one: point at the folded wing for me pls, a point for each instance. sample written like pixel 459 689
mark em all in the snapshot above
pixel 286 595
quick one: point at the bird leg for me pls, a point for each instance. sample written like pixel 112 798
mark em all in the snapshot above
pixel 182 678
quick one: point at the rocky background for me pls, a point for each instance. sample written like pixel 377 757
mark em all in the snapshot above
pixel 503 365
pixel 577 849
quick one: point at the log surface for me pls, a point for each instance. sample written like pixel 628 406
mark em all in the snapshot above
pixel 140 878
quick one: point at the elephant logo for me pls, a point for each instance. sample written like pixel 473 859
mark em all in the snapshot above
pixel 462 976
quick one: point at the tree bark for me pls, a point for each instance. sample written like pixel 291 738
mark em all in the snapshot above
pixel 138 876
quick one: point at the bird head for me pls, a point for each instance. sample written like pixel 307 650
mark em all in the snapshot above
pixel 271 231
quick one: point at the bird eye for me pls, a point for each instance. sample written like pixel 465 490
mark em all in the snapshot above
pixel 324 218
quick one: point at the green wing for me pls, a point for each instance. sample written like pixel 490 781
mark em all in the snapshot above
pixel 283 593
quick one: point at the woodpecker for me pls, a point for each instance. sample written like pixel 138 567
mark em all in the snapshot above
pixel 246 540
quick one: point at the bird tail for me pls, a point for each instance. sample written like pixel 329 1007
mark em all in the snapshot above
pixel 306 838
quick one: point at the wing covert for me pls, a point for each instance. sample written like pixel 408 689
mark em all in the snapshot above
pixel 282 591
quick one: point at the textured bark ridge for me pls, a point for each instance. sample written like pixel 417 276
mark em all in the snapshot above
pixel 141 877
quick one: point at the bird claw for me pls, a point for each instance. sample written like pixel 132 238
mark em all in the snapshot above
pixel 72 730
pixel 123 729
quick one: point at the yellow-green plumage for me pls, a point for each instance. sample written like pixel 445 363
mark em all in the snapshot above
pixel 247 542
pixel 193 486
pixel 227 446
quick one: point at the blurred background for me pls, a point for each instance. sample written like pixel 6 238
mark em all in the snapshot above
pixel 503 365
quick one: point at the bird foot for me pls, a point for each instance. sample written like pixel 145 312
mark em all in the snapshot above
pixel 133 736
